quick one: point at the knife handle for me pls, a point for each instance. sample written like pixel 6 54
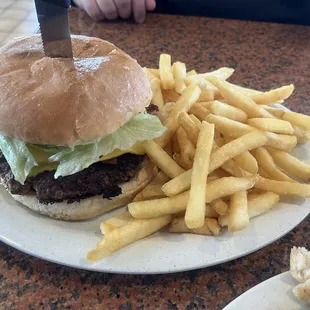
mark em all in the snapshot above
pixel 62 3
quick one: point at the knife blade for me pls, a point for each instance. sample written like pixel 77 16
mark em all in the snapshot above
pixel 54 26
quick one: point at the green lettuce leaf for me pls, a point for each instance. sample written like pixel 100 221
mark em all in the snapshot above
pixel 77 157
pixel 140 128
pixel 18 157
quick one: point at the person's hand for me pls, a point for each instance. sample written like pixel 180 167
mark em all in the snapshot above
pixel 112 9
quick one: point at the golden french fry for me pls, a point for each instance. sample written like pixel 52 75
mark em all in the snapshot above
pixel 172 205
pixel 125 235
pixel 238 217
pixel 165 71
pixel 152 192
pixel 195 120
pixel 178 225
pixel 162 159
pixel 297 119
pixel 233 129
pixel 247 162
pixel 205 104
pixel 150 74
pixel 115 222
pixel 191 129
pixel 170 95
pixel 290 164
pixel 195 211
pixel 222 73
pixel 220 206
pixel 199 112
pixel 265 161
pixel 210 212
pixel 274 111
pixel 273 125
pixel 160 178
pixel 157 94
pixel 186 146
pixel 238 100
pixel 274 95
pixel 257 205
pixel 248 92
pixel 302 135
pixel 283 187
pixel 213 225
pixel 218 158
pixel 190 73
pixel 206 95
pixel 189 96
pixel 263 173
pixel 183 161
pixel 223 109
pixel 179 73
pixel 175 147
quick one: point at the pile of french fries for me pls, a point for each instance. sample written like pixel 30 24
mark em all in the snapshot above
pixel 223 160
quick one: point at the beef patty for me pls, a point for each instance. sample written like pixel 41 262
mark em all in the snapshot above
pixel 98 179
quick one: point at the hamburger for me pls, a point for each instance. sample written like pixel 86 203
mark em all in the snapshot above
pixel 71 130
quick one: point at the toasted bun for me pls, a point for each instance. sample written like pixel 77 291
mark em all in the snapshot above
pixel 59 101
pixel 94 206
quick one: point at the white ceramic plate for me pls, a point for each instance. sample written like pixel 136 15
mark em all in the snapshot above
pixel 272 294
pixel 67 243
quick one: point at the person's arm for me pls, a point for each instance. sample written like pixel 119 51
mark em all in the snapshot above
pixel 112 9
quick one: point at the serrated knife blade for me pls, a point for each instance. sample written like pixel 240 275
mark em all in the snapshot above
pixel 54 26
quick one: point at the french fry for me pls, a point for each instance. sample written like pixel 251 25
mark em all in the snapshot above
pixel 247 162
pixel 290 164
pixel 151 192
pixel 189 96
pixel 191 129
pixel 210 212
pixel 274 111
pixel 302 135
pixel 172 205
pixel 179 72
pixel 257 205
pixel 213 225
pixel 274 95
pixel 206 95
pixel 220 206
pixel 218 158
pixel 115 222
pixel 125 235
pixel 283 187
pixel 273 125
pixel 195 211
pixel 150 74
pixel 222 73
pixel 186 146
pixel 175 147
pixel 170 95
pixel 190 73
pixel 248 92
pixel 178 225
pixel 233 129
pixel 183 161
pixel 162 159
pixel 155 72
pixel 265 161
pixel 263 173
pixel 195 120
pixel 297 119
pixel 199 112
pixel 157 94
pixel 165 71
pixel 223 109
pixel 238 100
pixel 238 217
pixel 205 104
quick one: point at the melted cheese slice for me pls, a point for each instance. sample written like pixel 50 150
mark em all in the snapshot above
pixel 42 158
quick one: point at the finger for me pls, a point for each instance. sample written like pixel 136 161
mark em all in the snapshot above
pixel 108 9
pixel 150 5
pixel 124 8
pixel 91 8
pixel 139 10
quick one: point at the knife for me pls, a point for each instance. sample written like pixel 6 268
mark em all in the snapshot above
pixel 54 26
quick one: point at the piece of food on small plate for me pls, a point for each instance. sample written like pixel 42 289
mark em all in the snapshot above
pixel 300 271
pixel 71 130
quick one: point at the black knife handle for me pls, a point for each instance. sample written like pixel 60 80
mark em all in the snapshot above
pixel 63 3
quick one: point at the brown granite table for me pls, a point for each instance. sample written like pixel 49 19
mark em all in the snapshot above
pixel 264 56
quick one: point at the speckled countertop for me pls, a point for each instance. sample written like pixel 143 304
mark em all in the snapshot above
pixel 264 56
